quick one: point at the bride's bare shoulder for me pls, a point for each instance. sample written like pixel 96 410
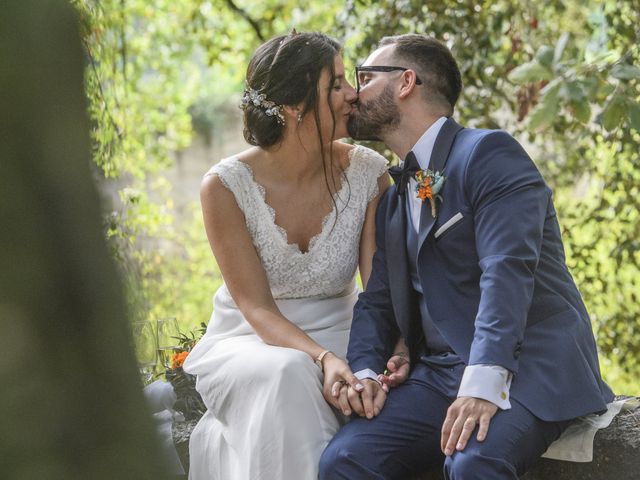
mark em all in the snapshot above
pixel 342 151
pixel 342 147
pixel 250 155
pixel 247 156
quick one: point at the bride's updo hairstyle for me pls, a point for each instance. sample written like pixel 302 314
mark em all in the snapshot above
pixel 284 71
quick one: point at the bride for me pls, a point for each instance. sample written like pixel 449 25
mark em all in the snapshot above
pixel 289 221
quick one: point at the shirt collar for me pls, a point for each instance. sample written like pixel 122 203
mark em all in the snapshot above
pixel 424 146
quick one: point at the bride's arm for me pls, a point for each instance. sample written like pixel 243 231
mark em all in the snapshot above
pixel 242 269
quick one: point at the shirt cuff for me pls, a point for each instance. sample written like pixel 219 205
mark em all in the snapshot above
pixel 488 382
pixel 366 373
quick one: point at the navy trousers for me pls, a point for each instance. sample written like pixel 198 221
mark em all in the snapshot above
pixel 405 438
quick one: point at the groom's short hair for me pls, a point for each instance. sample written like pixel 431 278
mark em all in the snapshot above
pixel 433 63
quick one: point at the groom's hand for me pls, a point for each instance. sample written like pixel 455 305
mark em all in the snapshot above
pixel 370 401
pixel 462 417
pixel 397 370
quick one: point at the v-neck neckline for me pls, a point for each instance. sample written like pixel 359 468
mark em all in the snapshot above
pixel 282 232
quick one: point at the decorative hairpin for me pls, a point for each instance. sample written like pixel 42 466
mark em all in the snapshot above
pixel 258 99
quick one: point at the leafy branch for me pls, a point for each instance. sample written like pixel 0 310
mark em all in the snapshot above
pixel 247 17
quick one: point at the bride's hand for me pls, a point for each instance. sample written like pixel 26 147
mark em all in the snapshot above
pixel 337 372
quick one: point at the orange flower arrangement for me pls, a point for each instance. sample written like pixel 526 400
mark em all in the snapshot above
pixel 188 400
pixel 177 359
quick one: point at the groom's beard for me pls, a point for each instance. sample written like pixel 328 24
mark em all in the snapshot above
pixel 370 120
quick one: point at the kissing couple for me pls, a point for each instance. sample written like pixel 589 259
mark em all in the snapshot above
pixel 469 346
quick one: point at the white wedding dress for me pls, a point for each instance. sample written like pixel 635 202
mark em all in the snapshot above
pixel 266 417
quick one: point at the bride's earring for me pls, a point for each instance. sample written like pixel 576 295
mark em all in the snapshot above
pixel 299 117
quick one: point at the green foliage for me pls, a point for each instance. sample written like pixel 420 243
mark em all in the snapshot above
pixel 179 273
pixel 137 80
pixel 186 341
pixel 563 76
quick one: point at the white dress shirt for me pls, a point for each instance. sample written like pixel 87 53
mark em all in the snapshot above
pixel 488 382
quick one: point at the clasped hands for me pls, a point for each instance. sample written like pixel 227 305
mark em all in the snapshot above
pixel 367 397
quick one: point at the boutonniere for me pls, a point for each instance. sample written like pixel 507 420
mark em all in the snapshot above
pixel 429 186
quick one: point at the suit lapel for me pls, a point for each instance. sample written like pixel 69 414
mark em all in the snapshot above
pixel 439 156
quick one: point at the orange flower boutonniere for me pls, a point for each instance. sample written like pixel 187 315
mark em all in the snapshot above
pixel 429 186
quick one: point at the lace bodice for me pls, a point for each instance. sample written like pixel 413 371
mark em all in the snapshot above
pixel 329 265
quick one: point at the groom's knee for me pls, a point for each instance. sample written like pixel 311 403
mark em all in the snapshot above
pixel 340 459
pixel 331 462
pixel 474 464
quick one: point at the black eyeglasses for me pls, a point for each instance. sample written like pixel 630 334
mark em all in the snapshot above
pixel 379 68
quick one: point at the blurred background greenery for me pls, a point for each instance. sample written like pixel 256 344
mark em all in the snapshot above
pixel 164 79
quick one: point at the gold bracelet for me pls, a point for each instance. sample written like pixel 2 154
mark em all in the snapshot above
pixel 319 359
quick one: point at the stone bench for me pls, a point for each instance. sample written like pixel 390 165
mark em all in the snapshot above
pixel 616 453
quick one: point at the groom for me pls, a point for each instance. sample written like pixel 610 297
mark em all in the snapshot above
pixel 470 271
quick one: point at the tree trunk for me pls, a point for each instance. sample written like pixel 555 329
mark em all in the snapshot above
pixel 71 405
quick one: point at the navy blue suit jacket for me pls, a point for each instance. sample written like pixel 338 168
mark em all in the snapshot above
pixel 495 284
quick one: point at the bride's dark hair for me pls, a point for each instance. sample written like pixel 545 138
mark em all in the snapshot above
pixel 286 69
